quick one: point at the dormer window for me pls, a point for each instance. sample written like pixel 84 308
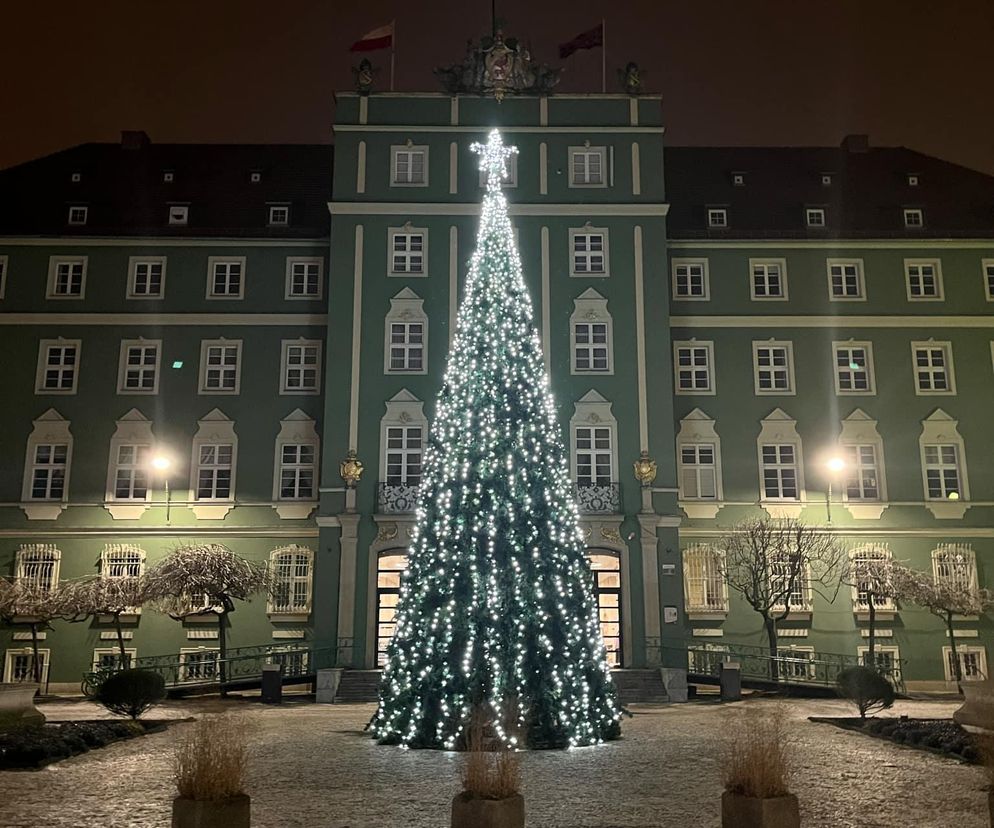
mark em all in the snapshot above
pixel 826 179
pixel 77 215
pixel 168 176
pixel 255 176
pixel 914 218
pixel 179 214
pixel 912 179
pixel 279 215
pixel 76 178
pixel 738 179
pixel 717 217
pixel 814 216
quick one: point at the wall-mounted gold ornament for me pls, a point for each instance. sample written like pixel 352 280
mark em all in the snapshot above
pixel 350 469
pixel 645 469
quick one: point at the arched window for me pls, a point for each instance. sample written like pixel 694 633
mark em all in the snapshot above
pixel 120 560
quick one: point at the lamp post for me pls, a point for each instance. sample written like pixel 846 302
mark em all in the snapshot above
pixel 162 463
pixel 834 466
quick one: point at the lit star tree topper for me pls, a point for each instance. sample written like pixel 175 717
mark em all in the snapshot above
pixel 496 610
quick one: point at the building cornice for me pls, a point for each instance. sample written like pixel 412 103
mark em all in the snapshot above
pixel 157 241
pixel 414 208
pixel 829 244
pixel 211 319
pixel 507 130
pixel 831 321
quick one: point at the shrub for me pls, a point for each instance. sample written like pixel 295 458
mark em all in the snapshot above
pixel 865 688
pixel 758 757
pixel 210 761
pixel 131 692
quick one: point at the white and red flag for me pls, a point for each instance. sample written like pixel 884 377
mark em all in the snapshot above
pixel 381 38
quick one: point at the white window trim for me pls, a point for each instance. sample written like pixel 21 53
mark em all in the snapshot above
pixel 821 211
pixel 708 346
pixel 295 429
pixel 407 229
pixel 860 278
pixel 45 548
pixel 306 260
pixel 180 220
pixel 961 650
pixel 208 343
pixel 405 307
pixel 859 429
pixel 936 264
pixel 984 265
pixel 593 411
pixel 85 215
pixel 773 392
pixel 271 209
pixel 941 429
pixel 786 663
pixel 891 649
pixel 871 373
pixel 130 652
pixel 712 212
pixel 215 428
pixel 184 674
pixel 590 307
pixel 298 613
pixel 696 428
pixel 123 366
pixel 782 263
pixel 45 654
pixel 43 346
pixel 947 347
pixel 4 263
pixel 602 150
pixel 285 346
pixel 215 260
pixel 906 212
pixel 701 612
pixel 408 147
pixel 674 263
pixel 585 231
pixel 112 549
pixel 135 429
pixel 53 265
pixel 403 410
pixel 49 428
pixel 884 606
pixel 969 558
pixel 779 428
pixel 133 262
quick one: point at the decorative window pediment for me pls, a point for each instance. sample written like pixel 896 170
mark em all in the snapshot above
pixel 295 468
pixel 47 463
pixel 129 490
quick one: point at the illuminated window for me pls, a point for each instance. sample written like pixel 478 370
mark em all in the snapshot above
pixel 607 591
pixel 388 575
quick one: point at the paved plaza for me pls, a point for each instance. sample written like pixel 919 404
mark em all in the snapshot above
pixel 313 767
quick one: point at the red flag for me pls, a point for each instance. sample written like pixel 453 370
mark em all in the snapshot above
pixel 381 38
pixel 590 39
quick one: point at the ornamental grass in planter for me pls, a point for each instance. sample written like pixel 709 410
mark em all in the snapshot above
pixel 210 775
pixel 757 764
pixel 491 782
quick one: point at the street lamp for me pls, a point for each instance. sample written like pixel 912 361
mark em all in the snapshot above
pixel 834 466
pixel 162 463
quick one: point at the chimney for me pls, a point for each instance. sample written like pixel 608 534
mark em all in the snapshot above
pixel 134 139
pixel 856 143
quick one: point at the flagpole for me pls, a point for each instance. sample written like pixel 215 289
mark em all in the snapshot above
pixel 603 56
pixel 393 49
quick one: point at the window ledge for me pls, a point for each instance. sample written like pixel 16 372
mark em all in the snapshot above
pixel 126 511
pixel 293 510
pixel 796 615
pixel 201 618
pixel 783 509
pixel 43 511
pixel 865 511
pixel 947 509
pixel 289 617
pixel 701 509
pixel 707 615
pixel 126 617
pixel 879 615
pixel 211 511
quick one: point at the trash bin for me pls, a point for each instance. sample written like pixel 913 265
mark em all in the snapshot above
pixel 272 684
pixel 730 680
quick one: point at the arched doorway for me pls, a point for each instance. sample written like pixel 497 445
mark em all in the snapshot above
pixel 388 571
pixel 607 589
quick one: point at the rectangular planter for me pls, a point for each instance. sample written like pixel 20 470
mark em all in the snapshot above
pixel 202 813
pixel 471 812
pixel 749 812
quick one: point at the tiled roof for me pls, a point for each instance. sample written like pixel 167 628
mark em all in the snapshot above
pixel 124 189
pixel 866 198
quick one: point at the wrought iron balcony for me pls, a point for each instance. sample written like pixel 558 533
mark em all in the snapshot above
pixel 397 498
pixel 598 498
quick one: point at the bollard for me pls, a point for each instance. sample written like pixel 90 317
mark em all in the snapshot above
pixel 730 680
pixel 272 684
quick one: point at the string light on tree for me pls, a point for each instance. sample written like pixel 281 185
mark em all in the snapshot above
pixel 497 607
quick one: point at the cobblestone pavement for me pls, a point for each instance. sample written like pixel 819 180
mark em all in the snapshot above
pixel 313 767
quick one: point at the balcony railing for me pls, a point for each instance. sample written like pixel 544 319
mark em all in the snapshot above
pixel 397 498
pixel 598 498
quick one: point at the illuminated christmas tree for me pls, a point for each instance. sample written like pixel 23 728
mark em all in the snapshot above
pixel 497 610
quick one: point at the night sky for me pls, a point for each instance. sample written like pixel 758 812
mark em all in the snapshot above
pixel 776 72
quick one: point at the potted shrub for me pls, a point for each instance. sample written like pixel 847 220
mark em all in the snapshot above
pixel 491 796
pixel 866 689
pixel 756 768
pixel 210 774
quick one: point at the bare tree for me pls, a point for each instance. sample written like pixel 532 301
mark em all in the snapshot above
pixel 875 577
pixel 774 564
pixel 206 578
pixel 108 597
pixel 24 603
pixel 946 598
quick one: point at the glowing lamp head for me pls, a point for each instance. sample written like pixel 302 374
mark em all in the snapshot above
pixel 835 464
pixel 161 463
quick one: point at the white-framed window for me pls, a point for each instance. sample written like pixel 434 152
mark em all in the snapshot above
pixel 19 664
pixel 58 366
pixel 178 215
pixel 304 277
pixel 987 265
pixel 298 471
pixel 814 216
pixel 779 470
pixel 198 664
pixel 301 364
pixel 220 366
pixel 122 561
pixel 225 277
pixel 403 429
pixel 588 252
pixel 972 662
pixel 3 276
pixel 66 277
pixel 942 471
pixel 409 166
pixel 78 214
pixel 923 279
pixel 845 280
pixel 933 366
pixel 279 215
pixel 784 575
pixel 511 165
pixel 591 347
pixel 945 479
pixel 914 218
pixel 864 556
pixel 109 658
pixel 215 466
pixel 704 584
pixel 146 277
pixel 690 279
pixel 49 469
pixel 593 446
pixel 404 449
pixel 36 565
pixel 292 568
pixel 407 346
pixel 718 217
pixel 773 367
pixel 862 480
pixel 768 279
pixel 47 463
pixel 886 658
pixel 588 166
pixel 131 471
pixel 796 660
pixel 698 471
pixel 955 565
pixel 854 368
pixel 138 372
pixel 693 367
pixel 408 251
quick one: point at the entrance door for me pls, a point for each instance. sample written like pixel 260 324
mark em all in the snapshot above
pixel 607 588
pixel 388 574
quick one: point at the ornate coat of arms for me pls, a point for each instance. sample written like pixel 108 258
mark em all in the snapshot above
pixel 498 67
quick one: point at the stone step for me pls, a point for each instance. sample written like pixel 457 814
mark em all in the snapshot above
pixel 639 686
pixel 359 686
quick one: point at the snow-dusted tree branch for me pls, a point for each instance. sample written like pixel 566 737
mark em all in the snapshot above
pixel 23 603
pixel 110 597
pixel 876 579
